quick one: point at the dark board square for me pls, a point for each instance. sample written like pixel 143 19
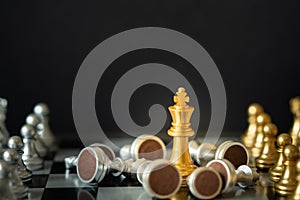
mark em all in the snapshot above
pixel 59 168
pixel 38 181
pixel 70 193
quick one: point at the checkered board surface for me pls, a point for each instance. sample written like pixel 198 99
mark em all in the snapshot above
pixel 55 182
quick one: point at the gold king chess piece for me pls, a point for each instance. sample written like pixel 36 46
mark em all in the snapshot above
pixel 295 130
pixel 249 136
pixel 180 130
pixel 275 172
pixel 288 183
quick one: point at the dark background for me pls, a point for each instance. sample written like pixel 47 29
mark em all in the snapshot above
pixel 255 45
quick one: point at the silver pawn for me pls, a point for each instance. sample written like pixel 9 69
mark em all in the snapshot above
pixel 5 184
pixel 15 142
pixel 11 156
pixel 244 176
pixel 40 146
pixel 44 131
pixel 30 156
pixel 3 130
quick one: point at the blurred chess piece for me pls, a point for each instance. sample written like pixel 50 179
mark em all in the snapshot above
pixel 269 155
pixel 275 172
pixel 4 135
pixel 11 156
pixel 44 130
pixel 5 184
pixel 34 120
pixel 295 130
pixel 244 176
pixel 15 142
pixel 288 183
pixel 181 130
pixel 30 156
pixel 261 120
pixel 199 185
pixel 145 146
pixel 249 136
pixel 235 152
pixel 159 178
pixel 296 194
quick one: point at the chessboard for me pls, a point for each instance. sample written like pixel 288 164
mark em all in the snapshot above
pixel 55 182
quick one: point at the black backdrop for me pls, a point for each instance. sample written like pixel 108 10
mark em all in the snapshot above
pixel 255 45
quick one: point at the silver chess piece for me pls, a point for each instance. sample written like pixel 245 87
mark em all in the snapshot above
pixel 159 178
pixel 235 152
pixel 15 142
pixel 244 176
pixel 44 130
pixel 11 156
pixel 34 120
pixel 145 146
pixel 5 184
pixel 30 156
pixel 3 130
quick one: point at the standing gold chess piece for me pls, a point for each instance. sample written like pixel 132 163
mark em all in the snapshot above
pixel 180 130
pixel 261 120
pixel 295 130
pixel 269 155
pixel 249 136
pixel 296 195
pixel 288 183
pixel 275 172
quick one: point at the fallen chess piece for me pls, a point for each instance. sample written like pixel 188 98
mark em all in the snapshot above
pixel 235 152
pixel 16 143
pixel 145 146
pixel 205 183
pixel 159 178
pixel 5 189
pixel 244 176
pixel 11 156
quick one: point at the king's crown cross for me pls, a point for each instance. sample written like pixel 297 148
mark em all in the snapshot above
pixel 181 99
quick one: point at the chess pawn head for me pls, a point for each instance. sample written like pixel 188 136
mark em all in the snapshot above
pixel 269 155
pixel 41 109
pixel 205 183
pixel 255 109
pixel 145 146
pixel 288 183
pixel 161 179
pixel 202 153
pixel 296 194
pixel 295 106
pixel 234 152
pixel 276 171
pixel 92 165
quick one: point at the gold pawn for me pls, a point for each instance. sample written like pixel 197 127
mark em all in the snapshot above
pixel 261 120
pixel 295 130
pixel 276 171
pixel 249 136
pixel 268 156
pixel 296 195
pixel 288 183
pixel 180 130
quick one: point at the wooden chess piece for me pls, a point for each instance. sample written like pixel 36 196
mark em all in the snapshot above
pixel 199 185
pixel 275 172
pixel 296 194
pixel 244 176
pixel 235 152
pixel 149 147
pixel 180 130
pixel 261 120
pixel 249 136
pixel 295 130
pixel 288 183
pixel 269 155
